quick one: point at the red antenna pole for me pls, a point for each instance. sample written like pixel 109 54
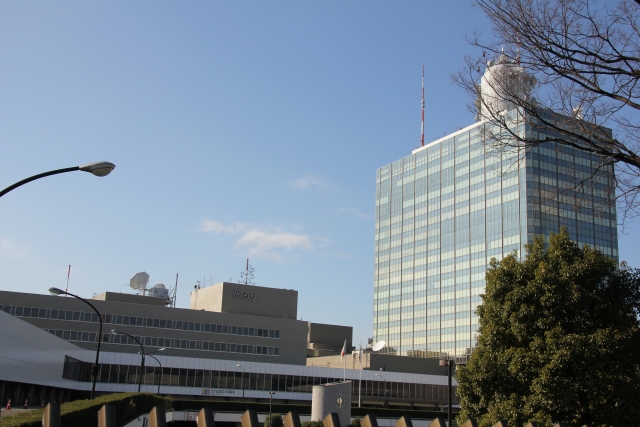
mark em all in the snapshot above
pixel 422 129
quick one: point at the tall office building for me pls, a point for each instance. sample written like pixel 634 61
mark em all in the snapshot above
pixel 445 210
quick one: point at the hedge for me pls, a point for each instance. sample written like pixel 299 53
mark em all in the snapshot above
pixel 84 412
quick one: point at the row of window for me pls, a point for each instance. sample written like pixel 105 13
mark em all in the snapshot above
pixel 80 316
pixel 166 342
pixel 153 375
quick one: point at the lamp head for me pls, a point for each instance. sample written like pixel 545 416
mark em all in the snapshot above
pixel 56 291
pixel 161 349
pixel 115 332
pixel 98 168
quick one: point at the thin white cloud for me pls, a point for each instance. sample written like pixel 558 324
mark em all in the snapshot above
pixel 355 212
pixel 265 242
pixel 307 182
pixel 10 251
pixel 211 226
pixel 270 245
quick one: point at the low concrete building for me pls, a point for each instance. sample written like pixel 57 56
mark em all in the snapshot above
pixel 254 335
pixel 372 361
pixel 326 339
pixel 252 300
pixel 36 366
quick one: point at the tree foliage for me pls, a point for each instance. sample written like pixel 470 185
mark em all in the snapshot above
pixel 559 340
pixel 273 420
pixel 585 57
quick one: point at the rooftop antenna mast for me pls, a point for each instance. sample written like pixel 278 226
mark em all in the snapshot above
pixel 422 128
pixel 246 276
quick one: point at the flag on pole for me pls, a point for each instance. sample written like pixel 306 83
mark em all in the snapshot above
pixel 344 350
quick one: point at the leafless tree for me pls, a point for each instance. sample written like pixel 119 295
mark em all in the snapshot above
pixel 584 57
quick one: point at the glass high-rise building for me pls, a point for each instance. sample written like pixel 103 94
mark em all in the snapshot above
pixel 445 210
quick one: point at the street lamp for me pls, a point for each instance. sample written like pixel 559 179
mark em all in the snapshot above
pixel 238 366
pixel 385 388
pixel 449 364
pixel 95 369
pixel 156 359
pixel 97 169
pixel 271 393
pixel 117 332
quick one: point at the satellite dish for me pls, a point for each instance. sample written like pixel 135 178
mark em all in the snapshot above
pixel 139 281
pixel 379 345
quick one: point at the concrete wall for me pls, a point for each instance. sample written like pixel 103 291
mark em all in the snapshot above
pixel 252 300
pixel 130 298
pixel 323 336
pixel 292 343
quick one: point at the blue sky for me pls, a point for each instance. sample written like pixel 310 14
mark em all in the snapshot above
pixel 239 130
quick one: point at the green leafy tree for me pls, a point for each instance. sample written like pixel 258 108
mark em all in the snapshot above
pixel 273 420
pixel 559 340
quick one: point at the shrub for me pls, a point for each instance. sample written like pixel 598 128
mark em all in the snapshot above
pixel 84 412
pixel 273 420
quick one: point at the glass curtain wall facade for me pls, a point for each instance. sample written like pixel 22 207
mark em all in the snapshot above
pixel 444 211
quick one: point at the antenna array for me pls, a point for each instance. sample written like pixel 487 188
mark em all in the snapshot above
pixel 247 275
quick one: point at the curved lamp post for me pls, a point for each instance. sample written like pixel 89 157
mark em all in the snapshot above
pixel 238 366
pixel 95 369
pixel 117 332
pixel 97 169
pixel 156 359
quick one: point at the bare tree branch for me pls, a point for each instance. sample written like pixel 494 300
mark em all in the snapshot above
pixel 584 58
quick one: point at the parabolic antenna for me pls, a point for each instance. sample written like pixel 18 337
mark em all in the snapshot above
pixel 139 281
pixel 379 345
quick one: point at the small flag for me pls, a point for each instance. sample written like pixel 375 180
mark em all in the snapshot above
pixel 344 350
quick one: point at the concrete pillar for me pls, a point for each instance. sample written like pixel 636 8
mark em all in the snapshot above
pixel 250 418
pixel 292 419
pixel 332 397
pixel 157 417
pixel 439 422
pixel 51 415
pixel 369 420
pixel 205 418
pixel 331 420
pixel 107 416
pixel 404 421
